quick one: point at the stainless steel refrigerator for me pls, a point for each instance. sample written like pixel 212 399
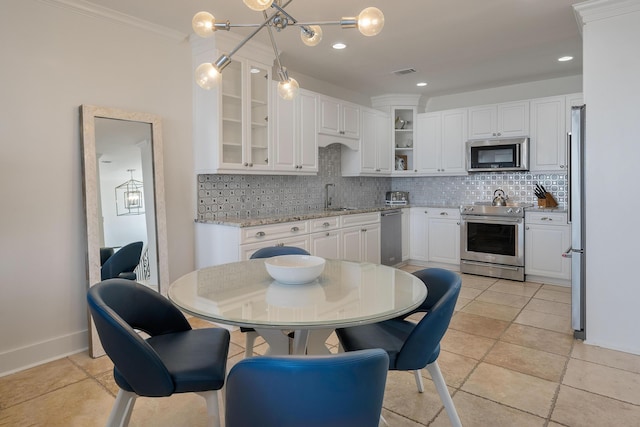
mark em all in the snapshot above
pixel 576 217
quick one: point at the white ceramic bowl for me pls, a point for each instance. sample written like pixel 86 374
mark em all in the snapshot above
pixel 294 269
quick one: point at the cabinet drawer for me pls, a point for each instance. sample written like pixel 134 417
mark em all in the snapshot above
pixel 546 218
pixel 275 231
pixel 323 224
pixel 448 213
pixel 357 219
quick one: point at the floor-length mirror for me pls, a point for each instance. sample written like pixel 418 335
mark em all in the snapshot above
pixel 124 199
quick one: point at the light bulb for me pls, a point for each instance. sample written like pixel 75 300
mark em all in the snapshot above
pixel 258 5
pixel 203 24
pixel 314 39
pixel 207 76
pixel 370 21
pixel 288 89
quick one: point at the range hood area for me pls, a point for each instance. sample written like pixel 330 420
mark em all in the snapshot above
pixel 326 140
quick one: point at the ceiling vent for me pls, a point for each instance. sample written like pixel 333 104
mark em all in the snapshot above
pixel 404 71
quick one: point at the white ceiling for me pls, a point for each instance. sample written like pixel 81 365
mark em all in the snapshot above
pixel 454 45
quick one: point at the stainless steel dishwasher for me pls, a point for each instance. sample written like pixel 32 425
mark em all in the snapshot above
pixel 391 237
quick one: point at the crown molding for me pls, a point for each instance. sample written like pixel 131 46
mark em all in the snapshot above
pixel 595 10
pixel 95 11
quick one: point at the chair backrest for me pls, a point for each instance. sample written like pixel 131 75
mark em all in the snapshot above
pixel 339 390
pixel 443 290
pixel 126 259
pixel 118 306
pixel 272 251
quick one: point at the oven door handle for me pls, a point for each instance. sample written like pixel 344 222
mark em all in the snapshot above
pixel 491 219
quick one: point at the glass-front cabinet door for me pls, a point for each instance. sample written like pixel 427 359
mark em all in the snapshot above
pixel 232 120
pixel 258 132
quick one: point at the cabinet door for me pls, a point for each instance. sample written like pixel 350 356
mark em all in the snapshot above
pixel 350 116
pixel 544 246
pixel 369 147
pixel 352 243
pixel 383 144
pixel 307 131
pixel 512 119
pixel 329 116
pixel 371 243
pixel 325 244
pixel 454 136
pixel 284 138
pixel 482 122
pixel 444 240
pixel 548 135
pixel 429 132
pixel 233 117
pixel 419 233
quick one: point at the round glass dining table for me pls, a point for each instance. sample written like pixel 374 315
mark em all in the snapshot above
pixel 345 294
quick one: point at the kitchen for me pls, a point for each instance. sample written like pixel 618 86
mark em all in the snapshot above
pixel 56 137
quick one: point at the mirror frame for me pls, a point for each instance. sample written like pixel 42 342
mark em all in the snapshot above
pixel 88 114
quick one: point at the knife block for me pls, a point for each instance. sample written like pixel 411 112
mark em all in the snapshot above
pixel 547 202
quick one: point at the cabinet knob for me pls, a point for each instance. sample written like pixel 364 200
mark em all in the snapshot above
pixel 364 230
pixel 294 229
pixel 561 166
pixel 261 234
pixel 328 234
pixel 326 224
pixel 250 165
pixel 246 164
pixel 280 244
pixel 499 134
pixel 444 213
pixel 527 228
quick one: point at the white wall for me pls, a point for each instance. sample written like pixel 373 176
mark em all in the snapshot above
pixel 612 150
pixel 53 60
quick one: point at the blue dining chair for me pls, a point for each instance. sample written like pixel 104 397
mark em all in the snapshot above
pixel 173 359
pixel 412 346
pixel 122 263
pixel 338 390
pixel 268 252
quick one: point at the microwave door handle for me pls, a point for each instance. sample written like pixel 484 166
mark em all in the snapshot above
pixel 517 155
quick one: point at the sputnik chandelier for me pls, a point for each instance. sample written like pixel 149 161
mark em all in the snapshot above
pixel 369 22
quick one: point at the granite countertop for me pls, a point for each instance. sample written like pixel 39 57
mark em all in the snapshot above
pixel 303 216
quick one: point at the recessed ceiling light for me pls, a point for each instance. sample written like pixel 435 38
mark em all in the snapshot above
pixel 339 46
pixel 565 58
pixel 421 84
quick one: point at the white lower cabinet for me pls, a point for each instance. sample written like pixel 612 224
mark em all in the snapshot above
pixel 435 236
pixel 547 237
pixel 444 235
pixel 361 237
pixel 354 237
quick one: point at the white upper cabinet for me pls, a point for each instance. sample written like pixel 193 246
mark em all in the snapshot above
pixel 505 120
pixel 548 135
pixel 295 138
pixel 374 156
pixel 550 125
pixel 231 121
pixel 441 142
pixel 403 140
pixel 339 118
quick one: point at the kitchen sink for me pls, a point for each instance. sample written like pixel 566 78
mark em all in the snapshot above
pixel 341 209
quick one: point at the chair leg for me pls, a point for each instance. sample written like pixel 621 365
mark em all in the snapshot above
pixel 213 408
pixel 122 408
pixel 441 386
pixel 418 375
pixel 250 341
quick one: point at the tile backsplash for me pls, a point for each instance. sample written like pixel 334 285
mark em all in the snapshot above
pixel 253 196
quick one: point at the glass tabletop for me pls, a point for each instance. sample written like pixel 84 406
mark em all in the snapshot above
pixel 346 294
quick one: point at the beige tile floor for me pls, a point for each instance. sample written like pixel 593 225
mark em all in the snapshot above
pixel 508 358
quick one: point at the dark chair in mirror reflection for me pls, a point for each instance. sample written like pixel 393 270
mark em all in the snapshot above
pixel 122 263
pixel 169 358
pixel 268 252
pixel 412 346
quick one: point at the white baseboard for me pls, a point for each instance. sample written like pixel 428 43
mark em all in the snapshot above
pixel 36 354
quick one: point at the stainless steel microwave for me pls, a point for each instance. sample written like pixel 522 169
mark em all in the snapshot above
pixel 493 155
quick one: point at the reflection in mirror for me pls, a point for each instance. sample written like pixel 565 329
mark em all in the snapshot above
pixel 124 199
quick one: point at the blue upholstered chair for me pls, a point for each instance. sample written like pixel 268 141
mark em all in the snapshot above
pixel 339 390
pixel 413 346
pixel 173 359
pixel 267 252
pixel 122 263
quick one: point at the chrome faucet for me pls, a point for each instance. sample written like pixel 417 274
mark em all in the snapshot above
pixel 327 199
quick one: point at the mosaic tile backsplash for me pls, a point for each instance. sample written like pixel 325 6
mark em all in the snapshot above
pixel 255 196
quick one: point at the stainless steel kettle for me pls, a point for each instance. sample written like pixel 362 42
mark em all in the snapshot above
pixel 499 198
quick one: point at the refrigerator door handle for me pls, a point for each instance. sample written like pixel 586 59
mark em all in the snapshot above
pixel 568 157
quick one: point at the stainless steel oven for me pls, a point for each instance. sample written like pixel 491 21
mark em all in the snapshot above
pixel 492 241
